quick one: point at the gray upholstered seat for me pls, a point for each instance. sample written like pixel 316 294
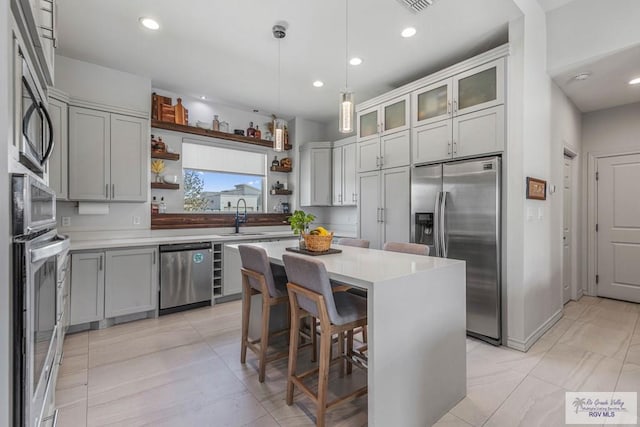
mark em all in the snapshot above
pixel 358 243
pixel 256 259
pixel 311 274
pixel 407 248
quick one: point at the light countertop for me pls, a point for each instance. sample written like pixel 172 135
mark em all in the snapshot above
pixel 135 238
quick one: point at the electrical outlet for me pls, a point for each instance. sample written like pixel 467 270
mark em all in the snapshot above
pixel 66 221
pixel 136 220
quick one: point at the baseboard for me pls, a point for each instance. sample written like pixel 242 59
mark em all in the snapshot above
pixel 579 294
pixel 525 345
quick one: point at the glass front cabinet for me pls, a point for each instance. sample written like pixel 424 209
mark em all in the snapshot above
pixel 384 119
pixel 476 89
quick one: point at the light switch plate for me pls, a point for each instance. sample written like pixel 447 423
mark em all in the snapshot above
pixel 136 220
pixel 66 221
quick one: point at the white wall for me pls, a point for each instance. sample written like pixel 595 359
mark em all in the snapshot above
pixel 584 30
pixel 566 132
pixel 533 294
pixel 611 131
pixel 5 246
pixel 94 83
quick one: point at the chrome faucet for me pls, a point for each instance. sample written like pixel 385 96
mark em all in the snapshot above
pixel 240 219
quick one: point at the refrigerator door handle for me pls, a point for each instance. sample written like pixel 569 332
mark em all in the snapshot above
pixel 443 232
pixel 436 225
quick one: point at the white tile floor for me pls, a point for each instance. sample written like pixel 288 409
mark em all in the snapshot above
pixel 184 370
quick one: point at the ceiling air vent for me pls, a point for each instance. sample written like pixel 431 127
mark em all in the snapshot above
pixel 416 5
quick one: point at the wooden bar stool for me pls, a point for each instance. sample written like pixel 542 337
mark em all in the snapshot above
pixel 407 248
pixel 258 277
pixel 310 294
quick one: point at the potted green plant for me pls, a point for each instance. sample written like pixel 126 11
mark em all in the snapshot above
pixel 300 221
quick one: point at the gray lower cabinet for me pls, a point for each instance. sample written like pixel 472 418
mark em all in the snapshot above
pixel 106 284
pixel 87 287
pixel 131 284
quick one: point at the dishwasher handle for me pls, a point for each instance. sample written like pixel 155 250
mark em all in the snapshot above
pixel 185 247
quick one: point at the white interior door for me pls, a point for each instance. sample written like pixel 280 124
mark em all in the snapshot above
pixel 567 253
pixel 618 247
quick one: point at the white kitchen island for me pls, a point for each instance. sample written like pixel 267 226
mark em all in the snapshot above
pixel 417 329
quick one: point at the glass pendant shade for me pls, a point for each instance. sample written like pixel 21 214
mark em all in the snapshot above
pixel 278 135
pixel 347 112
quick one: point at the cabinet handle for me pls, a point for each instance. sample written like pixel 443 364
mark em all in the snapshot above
pixel 455 147
pixel 113 191
pixel 340 198
pixel 106 190
pixel 377 161
pixel 381 161
pixel 448 148
pixel 354 197
pixel 100 265
pixel 455 105
pixel 449 107
pixel 377 214
pixel 154 257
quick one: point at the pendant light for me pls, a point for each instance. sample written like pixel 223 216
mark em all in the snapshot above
pixel 347 104
pixel 279 32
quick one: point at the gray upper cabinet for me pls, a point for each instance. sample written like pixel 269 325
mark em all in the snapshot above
pixel 89 154
pixel 384 119
pixel 432 103
pixel 57 165
pixel 479 88
pixel 315 174
pixel 388 151
pixel 129 176
pixel 344 175
pixel 131 281
pixel 107 156
pixel 87 287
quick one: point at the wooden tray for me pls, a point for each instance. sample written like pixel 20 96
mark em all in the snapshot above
pixel 306 252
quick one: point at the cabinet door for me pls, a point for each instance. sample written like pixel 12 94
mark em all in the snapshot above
pixel 337 184
pixel 481 132
pixel 321 177
pixel 57 165
pixel 395 115
pixel 369 208
pixel 432 103
pixel 89 161
pixel 131 281
pixel 395 150
pixel 479 88
pixel 129 158
pixel 87 287
pixel 368 124
pixel 349 190
pixel 432 142
pixel 396 214
pixel 369 155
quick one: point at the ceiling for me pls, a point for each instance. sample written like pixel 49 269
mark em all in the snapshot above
pixel 224 49
pixel 608 86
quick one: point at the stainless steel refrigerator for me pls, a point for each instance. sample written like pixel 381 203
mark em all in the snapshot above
pixel 455 209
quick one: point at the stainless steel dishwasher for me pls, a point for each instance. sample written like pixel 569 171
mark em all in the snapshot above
pixel 186 276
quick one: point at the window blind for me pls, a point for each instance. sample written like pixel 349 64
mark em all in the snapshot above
pixel 206 157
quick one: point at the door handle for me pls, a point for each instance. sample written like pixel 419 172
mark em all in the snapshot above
pixel 106 190
pixel 47 153
pixel 113 191
pixel 443 232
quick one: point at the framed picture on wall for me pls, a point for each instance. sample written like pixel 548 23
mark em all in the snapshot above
pixel 536 189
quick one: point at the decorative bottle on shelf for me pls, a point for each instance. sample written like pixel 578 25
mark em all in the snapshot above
pixel 251 132
pixel 275 163
pixel 160 146
pixel 162 207
pixel 216 123
pixel 224 127
pixel 258 133
pixel 154 206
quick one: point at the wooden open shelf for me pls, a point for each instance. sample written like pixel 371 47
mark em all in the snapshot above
pixel 213 134
pixel 165 186
pixel 280 169
pixel 281 192
pixel 164 155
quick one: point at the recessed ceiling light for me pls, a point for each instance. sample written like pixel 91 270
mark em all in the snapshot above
pixel 355 61
pixel 203 97
pixel 582 76
pixel 408 32
pixel 635 81
pixel 149 23
pixel 318 83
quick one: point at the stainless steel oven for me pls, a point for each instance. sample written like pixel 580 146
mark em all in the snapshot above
pixel 37 252
pixel 34 126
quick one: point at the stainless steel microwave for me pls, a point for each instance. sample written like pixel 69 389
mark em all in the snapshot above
pixel 34 127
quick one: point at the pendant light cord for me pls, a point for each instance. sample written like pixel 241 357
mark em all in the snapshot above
pixel 279 66
pixel 346 45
